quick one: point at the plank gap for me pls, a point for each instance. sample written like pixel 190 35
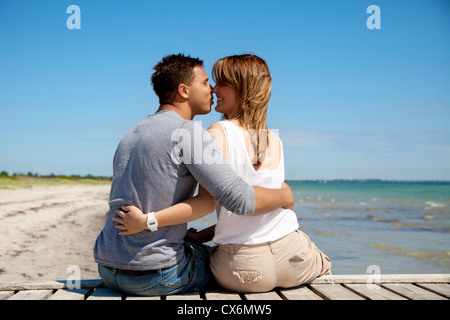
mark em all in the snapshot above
pixel 356 292
pixel 317 292
pixel 430 289
pixel 277 290
pixel 394 291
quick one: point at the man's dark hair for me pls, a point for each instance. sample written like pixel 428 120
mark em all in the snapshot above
pixel 170 72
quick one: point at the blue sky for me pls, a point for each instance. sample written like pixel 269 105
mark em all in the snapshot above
pixel 349 102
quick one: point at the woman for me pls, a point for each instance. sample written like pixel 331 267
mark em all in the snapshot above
pixel 253 253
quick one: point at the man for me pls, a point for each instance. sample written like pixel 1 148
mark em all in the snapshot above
pixel 155 167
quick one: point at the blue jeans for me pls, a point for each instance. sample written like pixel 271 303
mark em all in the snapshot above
pixel 191 273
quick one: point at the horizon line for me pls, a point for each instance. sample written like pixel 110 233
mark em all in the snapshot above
pixel 321 180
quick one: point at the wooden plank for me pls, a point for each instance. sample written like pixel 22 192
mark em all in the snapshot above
pixel 185 296
pixel 47 285
pixel 299 293
pixel 411 286
pixel 30 285
pixel 373 292
pixel 271 295
pixel 222 295
pixel 6 294
pixel 32 295
pixel 440 288
pixel 412 292
pixel 67 294
pixel 105 294
pixel 384 278
pixel 141 298
pixel 335 292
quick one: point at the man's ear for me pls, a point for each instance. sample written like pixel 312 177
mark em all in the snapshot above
pixel 183 90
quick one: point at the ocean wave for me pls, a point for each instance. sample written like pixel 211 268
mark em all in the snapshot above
pixel 375 218
pixel 437 256
pixel 435 204
pixel 433 227
pixel 325 233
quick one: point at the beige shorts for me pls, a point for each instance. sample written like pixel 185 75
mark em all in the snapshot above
pixel 287 262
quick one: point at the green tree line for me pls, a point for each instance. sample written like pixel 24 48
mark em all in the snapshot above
pixel 52 175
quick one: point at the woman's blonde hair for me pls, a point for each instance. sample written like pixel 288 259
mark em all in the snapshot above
pixel 249 75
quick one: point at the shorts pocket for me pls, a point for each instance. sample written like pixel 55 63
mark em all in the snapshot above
pixel 247 276
pixel 303 256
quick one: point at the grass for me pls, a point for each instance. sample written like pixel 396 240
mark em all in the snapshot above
pixel 16 182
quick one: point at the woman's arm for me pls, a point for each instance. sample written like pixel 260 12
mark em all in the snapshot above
pixel 132 220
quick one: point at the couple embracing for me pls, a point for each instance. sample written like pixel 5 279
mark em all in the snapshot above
pixel 144 247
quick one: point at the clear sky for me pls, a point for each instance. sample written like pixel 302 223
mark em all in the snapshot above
pixel 349 102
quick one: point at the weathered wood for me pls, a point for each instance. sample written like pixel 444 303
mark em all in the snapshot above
pixel 271 295
pixel 32 295
pixel 105 294
pixel 335 287
pixel 412 292
pixel 67 294
pixel 384 278
pixel 185 296
pixel 299 293
pixel 440 288
pixel 335 292
pixel 222 295
pixel 48 285
pixel 373 292
pixel 141 298
pixel 6 294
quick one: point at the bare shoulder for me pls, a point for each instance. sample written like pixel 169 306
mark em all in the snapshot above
pixel 216 126
pixel 217 132
pixel 275 140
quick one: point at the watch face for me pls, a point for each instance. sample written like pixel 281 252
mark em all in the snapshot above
pixel 152 224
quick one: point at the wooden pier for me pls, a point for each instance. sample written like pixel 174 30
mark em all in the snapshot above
pixel 335 287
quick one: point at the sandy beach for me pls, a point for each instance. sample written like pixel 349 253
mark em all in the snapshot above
pixel 46 229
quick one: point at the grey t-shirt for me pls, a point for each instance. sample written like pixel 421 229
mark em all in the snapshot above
pixel 156 165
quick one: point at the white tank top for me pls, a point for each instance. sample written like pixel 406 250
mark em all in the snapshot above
pixel 233 228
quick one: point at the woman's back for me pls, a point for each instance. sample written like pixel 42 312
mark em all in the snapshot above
pixel 238 151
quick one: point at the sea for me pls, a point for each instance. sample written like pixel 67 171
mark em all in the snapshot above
pixel 393 227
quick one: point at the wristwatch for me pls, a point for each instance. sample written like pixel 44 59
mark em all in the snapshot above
pixel 152 224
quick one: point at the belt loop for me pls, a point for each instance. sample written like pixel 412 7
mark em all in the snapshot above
pixel 270 247
pixel 114 271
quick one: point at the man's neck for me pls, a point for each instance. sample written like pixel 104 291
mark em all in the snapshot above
pixel 182 110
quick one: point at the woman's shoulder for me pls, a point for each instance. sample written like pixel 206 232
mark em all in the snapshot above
pixel 217 132
pixel 274 136
pixel 216 128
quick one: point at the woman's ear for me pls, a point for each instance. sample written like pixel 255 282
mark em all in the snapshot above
pixel 183 90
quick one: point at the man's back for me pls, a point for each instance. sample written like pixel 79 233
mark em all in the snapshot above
pixel 148 174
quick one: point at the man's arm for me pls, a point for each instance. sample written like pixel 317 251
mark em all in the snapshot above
pixel 222 182
pixel 268 200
